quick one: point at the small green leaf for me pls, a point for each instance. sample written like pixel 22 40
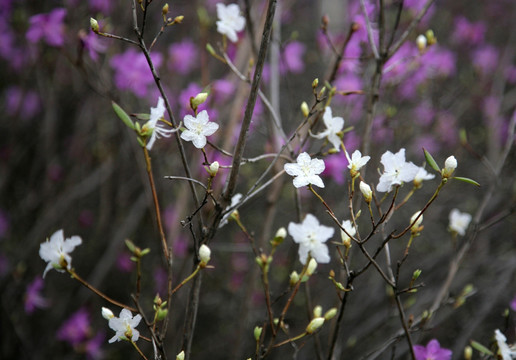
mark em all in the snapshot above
pixel 466 180
pixel 142 116
pixel 211 50
pixel 123 115
pixel 130 245
pixel 479 347
pixel 430 161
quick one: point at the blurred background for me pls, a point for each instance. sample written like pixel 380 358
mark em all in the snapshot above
pixel 67 162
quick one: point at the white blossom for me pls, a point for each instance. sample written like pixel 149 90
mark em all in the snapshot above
pixel 154 127
pixel 306 171
pixel 333 126
pixel 356 162
pixel 198 128
pixel 459 222
pixel 230 21
pixel 234 200
pixel 503 349
pixel 57 251
pixel 125 326
pixel 396 170
pixel 311 237
pixel 422 175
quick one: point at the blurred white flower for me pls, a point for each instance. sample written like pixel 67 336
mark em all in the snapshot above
pixel 234 200
pixel 311 237
pixel 198 128
pixel 125 325
pixel 459 222
pixel 503 349
pixel 154 127
pixel 422 175
pixel 356 162
pixel 306 171
pixel 57 251
pixel 230 21
pixel 396 170
pixel 333 126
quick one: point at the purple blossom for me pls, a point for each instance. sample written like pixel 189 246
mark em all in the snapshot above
pixel 101 6
pixel 336 167
pixel 76 329
pixel 485 59
pixel 124 263
pixel 467 32
pixel 132 71
pixel 92 347
pixel 513 304
pixel 438 61
pixel 93 44
pixel 223 90
pixel 22 103
pixel 432 351
pixel 183 57
pixel 293 57
pixel 424 113
pixel 48 27
pixel 33 299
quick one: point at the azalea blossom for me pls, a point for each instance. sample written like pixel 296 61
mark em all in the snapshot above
pixel 432 351
pixel 198 128
pixel 356 162
pixel 503 349
pixel 396 170
pixel 57 251
pixel 459 222
pixel 422 175
pixel 333 126
pixel 230 21
pixel 306 171
pixel 125 326
pixel 154 127
pixel 311 237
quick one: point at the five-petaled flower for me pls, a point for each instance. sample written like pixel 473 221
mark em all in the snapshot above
pixel 230 21
pixel 459 222
pixel 334 125
pixel 356 162
pixel 125 325
pixel 432 351
pixel 396 170
pixel 198 128
pixel 311 237
pixel 154 127
pixel 57 251
pixel 306 171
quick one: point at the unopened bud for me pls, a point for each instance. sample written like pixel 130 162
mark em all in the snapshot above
pixel 449 166
pixel 94 25
pixel 366 192
pixel 416 228
pixel 430 37
pixel 164 10
pixel 330 314
pixel 416 274
pixel 468 353
pixel 161 314
pixel 421 43
pixel 294 278
pixel 281 233
pixel 314 325
pixel 107 314
pixel 304 109
pixel 180 356
pixel 317 311
pixel 178 19
pixel 257 332
pixel 315 83
pixel 213 169
pixel 198 100
pixel 312 265
pixel 204 255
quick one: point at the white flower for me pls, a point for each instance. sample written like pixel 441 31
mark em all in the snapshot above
pixel 154 127
pixel 449 166
pixel 356 162
pixel 311 237
pixel 503 349
pixel 396 170
pixel 350 229
pixel 306 171
pixel 57 251
pixel 234 200
pixel 333 126
pixel 125 325
pixel 230 21
pixel 422 175
pixel 459 221
pixel 198 128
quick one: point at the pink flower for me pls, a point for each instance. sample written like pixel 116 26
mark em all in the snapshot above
pixel 33 299
pixel 432 351
pixel 76 329
pixel 48 27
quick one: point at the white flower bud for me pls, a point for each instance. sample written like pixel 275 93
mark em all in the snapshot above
pixel 314 325
pixel 304 109
pixel 181 355
pixel 449 166
pixel 198 100
pixel 318 311
pixel 294 278
pixel 107 314
pixel 204 254
pixel 312 265
pixel 421 42
pixel 366 192
pixel 330 314
pixel 214 168
pixel 281 233
pixel 416 227
pixel 94 25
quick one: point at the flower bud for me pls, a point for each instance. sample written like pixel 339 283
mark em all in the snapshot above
pixel 366 192
pixel 449 166
pixel 178 19
pixel 317 311
pixel 257 332
pixel 468 353
pixel 281 233
pixel 181 355
pixel 213 169
pixel 416 228
pixel 204 255
pixel 198 100
pixel 330 314
pixel 421 43
pixel 304 109
pixel 315 83
pixel 294 278
pixel 430 37
pixel 94 25
pixel 107 314
pixel 314 325
pixel 164 9
pixel 312 265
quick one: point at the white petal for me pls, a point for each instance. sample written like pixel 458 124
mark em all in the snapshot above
pixel 315 180
pixel 292 169
pixel 296 231
pixel 189 121
pixel 210 128
pixel 199 141
pixel 320 253
pixel 317 165
pixel 301 181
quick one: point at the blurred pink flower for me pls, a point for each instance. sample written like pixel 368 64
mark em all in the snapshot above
pixel 33 299
pixel 48 27
pixel 485 59
pixel 183 57
pixel 101 6
pixel 76 329
pixel 293 57
pixel 432 351
pixel 466 32
pixel 124 262
pixel 513 304
pixel 22 103
pixel 336 167
pixel 93 44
